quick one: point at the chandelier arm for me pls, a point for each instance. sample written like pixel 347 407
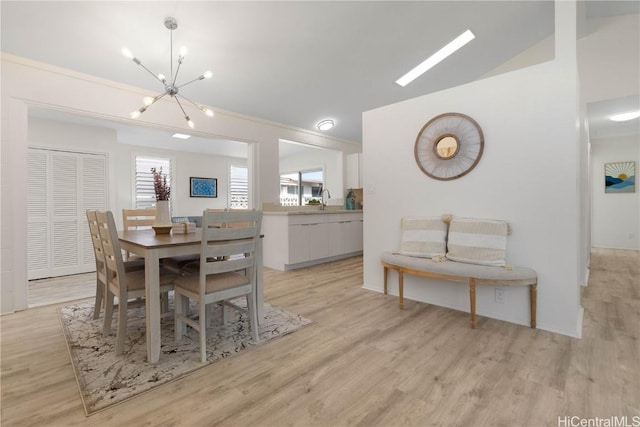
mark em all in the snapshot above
pixel 180 105
pixel 149 71
pixel 173 83
pixel 198 106
pixel 191 81
pixel 157 98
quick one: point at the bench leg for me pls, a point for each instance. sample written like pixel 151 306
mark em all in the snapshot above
pixel 386 270
pixel 400 289
pixel 533 300
pixel 472 301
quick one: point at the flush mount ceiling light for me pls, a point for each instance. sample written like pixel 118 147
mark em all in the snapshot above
pixel 325 124
pixel 623 117
pixel 434 59
pixel 181 136
pixel 170 86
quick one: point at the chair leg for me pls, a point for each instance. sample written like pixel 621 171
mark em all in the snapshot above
pixel 253 317
pixel 108 312
pixel 179 311
pixel 97 308
pixel 122 325
pixel 164 302
pixel 203 331
pixel 223 307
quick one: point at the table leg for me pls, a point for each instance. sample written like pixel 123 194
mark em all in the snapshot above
pixel 152 304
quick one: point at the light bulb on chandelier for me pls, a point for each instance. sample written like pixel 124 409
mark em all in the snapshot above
pixel 170 87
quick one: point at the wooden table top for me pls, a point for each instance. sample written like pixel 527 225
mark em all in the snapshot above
pixel 149 239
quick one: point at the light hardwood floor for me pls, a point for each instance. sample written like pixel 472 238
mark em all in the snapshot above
pixel 364 362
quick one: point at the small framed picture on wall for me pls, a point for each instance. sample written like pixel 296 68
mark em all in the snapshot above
pixel 203 187
pixel 620 177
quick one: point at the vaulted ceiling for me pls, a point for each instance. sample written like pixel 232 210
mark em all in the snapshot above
pixel 292 62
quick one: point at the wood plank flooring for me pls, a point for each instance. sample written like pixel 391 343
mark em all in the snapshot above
pixel 364 362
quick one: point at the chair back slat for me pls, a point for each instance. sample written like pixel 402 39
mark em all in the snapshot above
pixel 134 219
pixel 227 265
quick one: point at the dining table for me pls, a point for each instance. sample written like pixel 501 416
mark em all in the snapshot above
pixel 153 247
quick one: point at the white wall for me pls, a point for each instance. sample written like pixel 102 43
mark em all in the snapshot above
pixel 28 83
pixel 616 216
pixel 121 158
pixel 528 175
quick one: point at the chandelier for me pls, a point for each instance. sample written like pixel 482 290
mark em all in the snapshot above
pixel 170 86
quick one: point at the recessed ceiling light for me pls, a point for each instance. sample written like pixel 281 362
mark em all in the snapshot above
pixel 623 117
pixel 434 59
pixel 181 136
pixel 325 124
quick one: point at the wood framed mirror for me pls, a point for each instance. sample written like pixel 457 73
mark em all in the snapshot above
pixel 449 146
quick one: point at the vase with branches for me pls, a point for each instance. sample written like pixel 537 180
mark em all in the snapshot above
pixel 162 189
pixel 163 192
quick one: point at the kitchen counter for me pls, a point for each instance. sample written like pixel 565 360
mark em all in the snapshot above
pixel 295 238
pixel 311 212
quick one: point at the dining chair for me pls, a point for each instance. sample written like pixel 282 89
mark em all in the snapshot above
pixel 137 219
pixel 227 271
pixel 120 283
pixel 100 263
pixel 140 219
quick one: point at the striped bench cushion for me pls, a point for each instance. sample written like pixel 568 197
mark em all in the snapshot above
pixel 423 237
pixel 477 241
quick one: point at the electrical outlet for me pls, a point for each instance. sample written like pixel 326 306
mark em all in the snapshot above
pixel 632 235
pixel 501 295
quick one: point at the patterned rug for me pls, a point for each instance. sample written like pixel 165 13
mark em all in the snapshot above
pixel 105 379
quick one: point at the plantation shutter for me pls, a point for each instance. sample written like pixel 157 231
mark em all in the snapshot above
pixel 144 191
pixel 61 186
pixel 238 187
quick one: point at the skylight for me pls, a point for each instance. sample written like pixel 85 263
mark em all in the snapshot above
pixel 434 59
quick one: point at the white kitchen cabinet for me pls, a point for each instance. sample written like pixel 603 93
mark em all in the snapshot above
pixel 354 175
pixel 294 240
pixel 352 232
pixel 308 242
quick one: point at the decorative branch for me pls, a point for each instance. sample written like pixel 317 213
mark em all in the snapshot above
pixel 162 189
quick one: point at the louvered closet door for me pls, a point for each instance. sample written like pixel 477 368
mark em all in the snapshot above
pixel 38 253
pixel 59 243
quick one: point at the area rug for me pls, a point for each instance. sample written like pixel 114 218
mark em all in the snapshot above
pixel 105 379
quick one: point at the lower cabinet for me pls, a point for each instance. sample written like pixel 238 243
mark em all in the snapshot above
pixel 298 240
pixel 307 242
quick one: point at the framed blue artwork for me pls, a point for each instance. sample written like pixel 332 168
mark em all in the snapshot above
pixel 204 187
pixel 620 177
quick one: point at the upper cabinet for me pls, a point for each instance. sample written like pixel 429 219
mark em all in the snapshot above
pixel 354 174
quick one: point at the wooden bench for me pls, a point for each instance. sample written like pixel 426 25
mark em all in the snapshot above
pixel 461 272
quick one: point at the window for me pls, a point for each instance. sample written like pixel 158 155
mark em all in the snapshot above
pixel 297 188
pixel 145 195
pixel 238 187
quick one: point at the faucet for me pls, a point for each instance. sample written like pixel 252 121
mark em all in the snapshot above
pixel 324 204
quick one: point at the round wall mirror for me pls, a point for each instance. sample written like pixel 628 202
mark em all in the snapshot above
pixel 446 147
pixel 449 146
